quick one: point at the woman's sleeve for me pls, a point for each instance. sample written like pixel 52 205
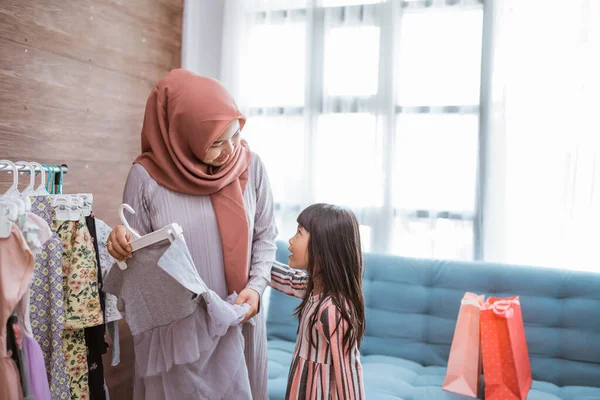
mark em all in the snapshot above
pixel 265 233
pixel 135 194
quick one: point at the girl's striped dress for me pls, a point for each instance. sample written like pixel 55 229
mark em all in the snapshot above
pixel 326 370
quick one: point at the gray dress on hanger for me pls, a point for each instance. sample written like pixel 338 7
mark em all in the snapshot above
pixel 157 206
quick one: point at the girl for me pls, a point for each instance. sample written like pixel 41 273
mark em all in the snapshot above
pixel 326 361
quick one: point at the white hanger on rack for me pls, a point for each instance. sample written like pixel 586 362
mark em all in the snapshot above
pixel 9 208
pixel 13 191
pixel 170 232
pixel 70 207
pixel 12 194
pixel 66 207
pixel 41 190
pixel 30 189
pixel 87 200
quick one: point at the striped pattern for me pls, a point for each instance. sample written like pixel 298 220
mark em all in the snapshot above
pixel 326 370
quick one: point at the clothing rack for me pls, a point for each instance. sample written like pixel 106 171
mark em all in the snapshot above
pixel 51 168
pixel 57 170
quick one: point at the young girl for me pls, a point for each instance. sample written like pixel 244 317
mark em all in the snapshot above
pixel 326 362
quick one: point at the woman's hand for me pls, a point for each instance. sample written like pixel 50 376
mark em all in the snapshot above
pixel 118 243
pixel 251 297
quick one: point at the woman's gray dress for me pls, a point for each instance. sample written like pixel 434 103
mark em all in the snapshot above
pixel 157 206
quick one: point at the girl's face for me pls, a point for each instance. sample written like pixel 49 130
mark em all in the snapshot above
pixel 299 249
pixel 222 148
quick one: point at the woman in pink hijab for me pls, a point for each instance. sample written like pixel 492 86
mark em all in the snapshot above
pixel 195 170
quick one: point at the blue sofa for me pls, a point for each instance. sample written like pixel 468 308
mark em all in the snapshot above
pixel 411 310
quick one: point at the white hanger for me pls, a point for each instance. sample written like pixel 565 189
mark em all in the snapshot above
pixel 170 232
pixel 29 190
pixel 67 207
pixel 41 190
pixel 87 200
pixel 13 191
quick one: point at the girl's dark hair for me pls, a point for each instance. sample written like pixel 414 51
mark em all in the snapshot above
pixel 335 259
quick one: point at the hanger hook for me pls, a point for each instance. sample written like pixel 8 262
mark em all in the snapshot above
pixel 50 179
pixel 122 209
pixel 30 189
pixel 41 190
pixel 60 178
pixel 15 186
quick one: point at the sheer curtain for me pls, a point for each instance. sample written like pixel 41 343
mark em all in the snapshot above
pixel 369 104
pixel 548 75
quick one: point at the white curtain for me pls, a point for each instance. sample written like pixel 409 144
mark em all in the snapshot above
pixel 547 125
pixel 369 104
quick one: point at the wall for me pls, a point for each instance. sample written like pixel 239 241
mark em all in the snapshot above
pixel 74 79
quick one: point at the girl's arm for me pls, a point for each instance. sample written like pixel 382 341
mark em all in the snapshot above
pixel 288 280
pixel 345 365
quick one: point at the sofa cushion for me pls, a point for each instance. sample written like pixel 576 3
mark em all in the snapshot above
pixel 388 377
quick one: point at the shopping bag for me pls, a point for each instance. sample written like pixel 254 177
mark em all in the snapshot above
pixel 464 363
pixel 506 367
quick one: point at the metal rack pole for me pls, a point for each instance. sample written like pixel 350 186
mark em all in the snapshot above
pixel 6 167
pixel 58 174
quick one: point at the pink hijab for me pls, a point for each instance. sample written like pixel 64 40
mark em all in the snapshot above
pixel 185 114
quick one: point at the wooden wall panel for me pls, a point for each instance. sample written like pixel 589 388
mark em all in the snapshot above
pixel 74 79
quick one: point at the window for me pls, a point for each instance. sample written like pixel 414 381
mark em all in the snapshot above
pixel 373 105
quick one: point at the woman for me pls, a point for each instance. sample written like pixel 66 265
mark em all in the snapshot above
pixel 196 171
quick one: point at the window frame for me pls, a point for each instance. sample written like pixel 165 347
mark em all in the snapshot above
pixel 382 219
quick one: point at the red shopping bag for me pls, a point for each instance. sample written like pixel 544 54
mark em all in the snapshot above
pixel 464 363
pixel 506 368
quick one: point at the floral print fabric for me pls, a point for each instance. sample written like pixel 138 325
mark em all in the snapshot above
pixel 82 300
pixel 80 275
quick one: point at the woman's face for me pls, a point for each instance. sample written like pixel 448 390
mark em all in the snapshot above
pixel 222 148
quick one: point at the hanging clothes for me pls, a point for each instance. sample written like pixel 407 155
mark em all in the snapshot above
pixel 16 269
pixel 112 316
pixel 15 346
pixel 80 275
pixel 34 364
pixel 82 300
pixel 106 262
pixel 33 369
pixel 38 378
pixel 189 347
pixel 94 336
pixel 30 230
pixel 47 309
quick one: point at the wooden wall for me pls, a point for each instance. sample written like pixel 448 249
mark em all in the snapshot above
pixel 74 79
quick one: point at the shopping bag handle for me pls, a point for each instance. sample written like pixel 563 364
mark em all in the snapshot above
pixel 471 299
pixel 504 308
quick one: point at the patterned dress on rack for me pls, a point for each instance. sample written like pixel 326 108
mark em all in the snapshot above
pixel 47 308
pixel 82 301
pixel 111 313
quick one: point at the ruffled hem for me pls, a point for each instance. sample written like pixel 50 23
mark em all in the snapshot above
pixel 191 338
